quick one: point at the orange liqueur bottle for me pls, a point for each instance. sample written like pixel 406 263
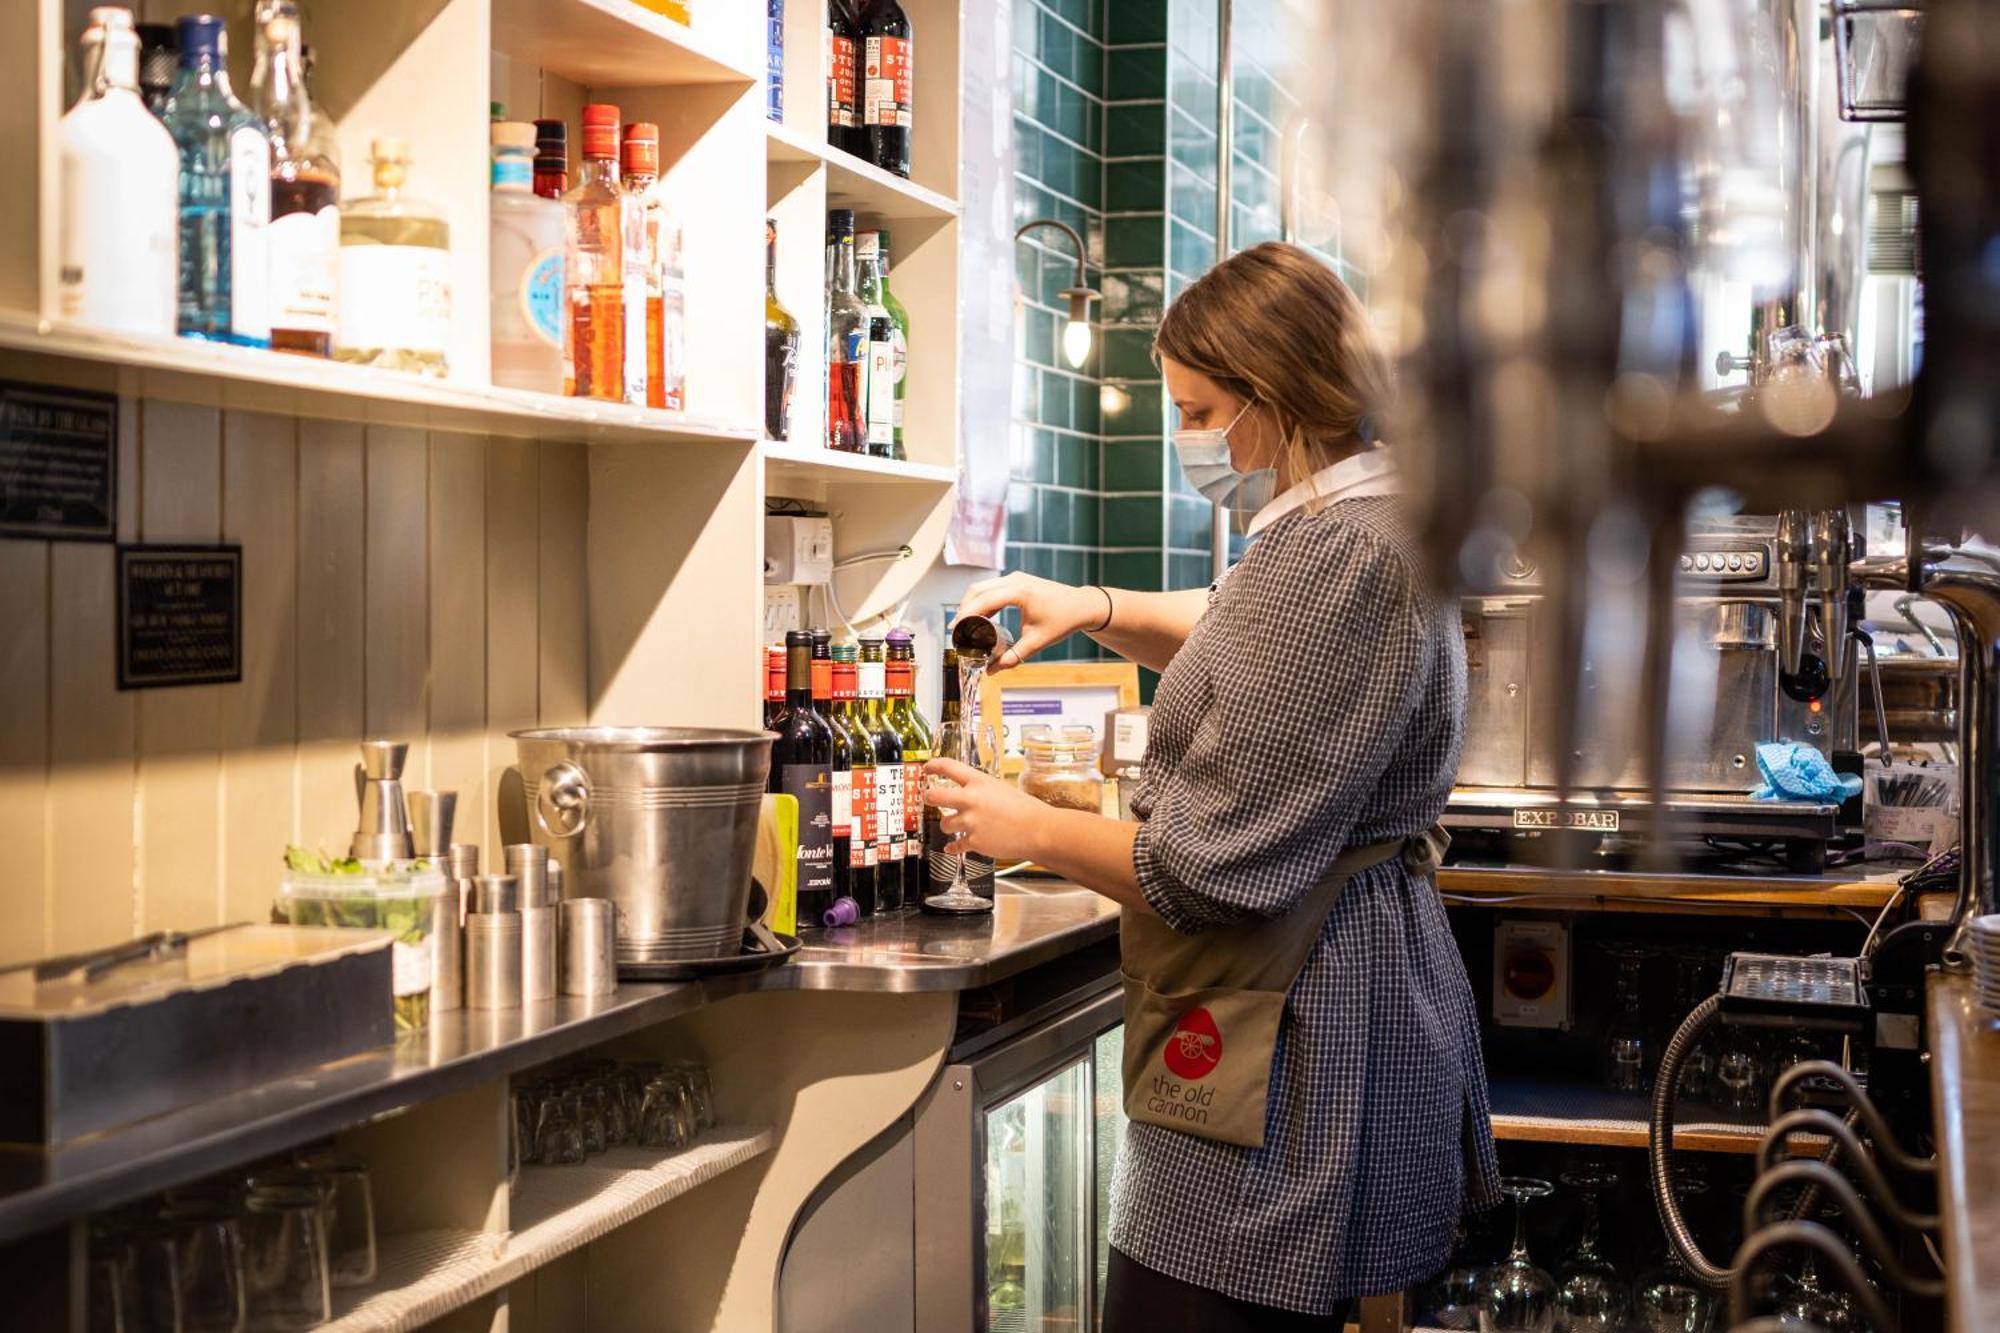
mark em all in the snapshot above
pixel 594 230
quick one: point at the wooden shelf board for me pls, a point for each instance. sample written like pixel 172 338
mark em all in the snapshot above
pixel 1549 1111
pixel 1525 882
pixel 792 462
pixel 610 44
pixel 852 183
pixel 426 1275
pixel 248 379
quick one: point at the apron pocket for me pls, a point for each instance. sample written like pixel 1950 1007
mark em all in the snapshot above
pixel 1199 1061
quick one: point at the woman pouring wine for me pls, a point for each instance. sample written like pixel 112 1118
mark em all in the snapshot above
pixel 1302 1071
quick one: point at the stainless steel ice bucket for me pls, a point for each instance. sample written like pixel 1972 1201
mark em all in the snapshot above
pixel 661 820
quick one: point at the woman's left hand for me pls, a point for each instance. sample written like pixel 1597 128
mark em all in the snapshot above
pixel 986 815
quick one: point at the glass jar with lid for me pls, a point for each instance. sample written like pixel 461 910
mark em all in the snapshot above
pixel 1061 767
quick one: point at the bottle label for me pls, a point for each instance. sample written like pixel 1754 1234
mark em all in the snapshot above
pixel 843 805
pixel 881 393
pixel 541 295
pixel 249 232
pixel 861 852
pixel 812 786
pixel 774 60
pixel 305 264
pixel 888 76
pixel 840 108
pixel 869 679
pixel 395 297
pixel 889 807
pixel 899 346
pixel 119 228
pixel 913 794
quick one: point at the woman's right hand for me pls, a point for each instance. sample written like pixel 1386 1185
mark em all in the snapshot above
pixel 1049 611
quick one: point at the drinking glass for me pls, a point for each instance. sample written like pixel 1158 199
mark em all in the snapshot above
pixel 284 1241
pixel 976 746
pixel 666 1117
pixel 588 1107
pixel 210 1232
pixel 1519 1297
pixel 350 1216
pixel 559 1130
pixel 110 1267
pixel 1813 1306
pixel 1669 1298
pixel 153 1297
pixel 1628 1053
pixel 1451 1300
pixel 1739 1077
pixel 1590 1293
pixel 701 1094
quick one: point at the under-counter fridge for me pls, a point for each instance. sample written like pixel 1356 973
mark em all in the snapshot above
pixel 1001 1179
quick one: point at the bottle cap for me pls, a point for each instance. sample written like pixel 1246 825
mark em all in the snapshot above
pixel 600 131
pixel 111 18
pixel 864 244
pixel 640 152
pixel 202 36
pixel 840 222
pixel 516 134
pixel 844 912
pixel 900 637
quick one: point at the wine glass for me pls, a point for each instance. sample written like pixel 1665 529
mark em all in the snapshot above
pixel 1590 1293
pixel 1629 1052
pixel 975 745
pixel 1519 1297
pixel 1814 1306
pixel 1670 1300
pixel 1451 1299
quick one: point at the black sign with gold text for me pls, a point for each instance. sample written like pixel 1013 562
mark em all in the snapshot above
pixel 180 616
pixel 58 463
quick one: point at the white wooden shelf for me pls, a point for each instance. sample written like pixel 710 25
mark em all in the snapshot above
pixel 612 44
pixel 852 183
pixel 556 1209
pixel 215 374
pixel 794 463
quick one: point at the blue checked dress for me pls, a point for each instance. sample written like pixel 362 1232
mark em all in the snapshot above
pixel 1318 704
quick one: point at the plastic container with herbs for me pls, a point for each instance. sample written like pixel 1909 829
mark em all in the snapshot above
pixel 1061 767
pixel 395 897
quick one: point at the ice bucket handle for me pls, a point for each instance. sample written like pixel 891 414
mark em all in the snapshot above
pixel 563 807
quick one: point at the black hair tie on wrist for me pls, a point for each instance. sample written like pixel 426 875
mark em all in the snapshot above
pixel 1106 623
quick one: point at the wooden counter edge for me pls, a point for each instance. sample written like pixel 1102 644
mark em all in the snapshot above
pixel 1965 1102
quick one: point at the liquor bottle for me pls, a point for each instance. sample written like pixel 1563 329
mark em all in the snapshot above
pixel 395 273
pixel 159 60
pixel 915 734
pixel 774 61
pixel 526 257
pixel 879 383
pixel 305 188
pixel 843 769
pixel 120 193
pixel 774 684
pixel 863 856
pixel 594 212
pixel 781 345
pixel 887 57
pixel 673 283
pixel 802 767
pixel 891 842
pixel 225 194
pixel 645 291
pixel 551 159
pixel 843 77
pixel 900 370
pixel 846 342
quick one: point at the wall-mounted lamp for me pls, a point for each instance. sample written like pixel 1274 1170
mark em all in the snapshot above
pixel 1076 332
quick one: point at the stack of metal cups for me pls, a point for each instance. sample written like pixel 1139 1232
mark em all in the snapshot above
pixel 493 944
pixel 461 867
pixel 529 864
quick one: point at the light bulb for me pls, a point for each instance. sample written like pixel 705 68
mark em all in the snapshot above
pixel 1076 342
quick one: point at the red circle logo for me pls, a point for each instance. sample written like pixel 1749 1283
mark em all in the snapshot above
pixel 1194 1047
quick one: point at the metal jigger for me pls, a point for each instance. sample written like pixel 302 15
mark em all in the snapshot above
pixel 431 814
pixel 384 834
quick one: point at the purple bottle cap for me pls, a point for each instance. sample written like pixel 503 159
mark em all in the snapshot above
pixel 900 636
pixel 844 912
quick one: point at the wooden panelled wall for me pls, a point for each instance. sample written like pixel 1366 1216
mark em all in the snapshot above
pixel 397 583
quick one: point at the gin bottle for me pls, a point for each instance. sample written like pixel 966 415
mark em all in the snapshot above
pixel 305 188
pixel 119 202
pixel 395 273
pixel 527 258
pixel 225 194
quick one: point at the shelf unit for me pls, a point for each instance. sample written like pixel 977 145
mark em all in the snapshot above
pixel 1831 895
pixel 423 1276
pixel 1554 1111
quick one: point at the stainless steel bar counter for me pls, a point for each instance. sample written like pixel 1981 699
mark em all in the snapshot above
pixel 1033 922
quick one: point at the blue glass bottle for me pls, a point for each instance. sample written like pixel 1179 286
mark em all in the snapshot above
pixel 225 205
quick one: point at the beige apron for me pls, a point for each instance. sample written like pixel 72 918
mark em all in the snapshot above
pixel 1202 1010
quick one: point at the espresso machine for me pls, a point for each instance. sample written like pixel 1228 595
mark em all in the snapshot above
pixel 1731 687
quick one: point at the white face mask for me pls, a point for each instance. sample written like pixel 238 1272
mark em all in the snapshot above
pixel 1204 457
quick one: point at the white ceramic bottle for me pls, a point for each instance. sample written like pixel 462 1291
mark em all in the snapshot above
pixel 119 195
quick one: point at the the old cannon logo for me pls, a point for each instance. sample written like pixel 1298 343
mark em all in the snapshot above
pixel 1194 1047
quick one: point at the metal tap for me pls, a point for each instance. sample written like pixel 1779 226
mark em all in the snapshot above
pixel 1794 552
pixel 1833 545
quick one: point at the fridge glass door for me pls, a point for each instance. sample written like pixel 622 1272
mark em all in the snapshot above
pixel 1039 1176
pixel 1108 1051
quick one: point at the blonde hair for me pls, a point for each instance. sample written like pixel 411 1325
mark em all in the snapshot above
pixel 1275 325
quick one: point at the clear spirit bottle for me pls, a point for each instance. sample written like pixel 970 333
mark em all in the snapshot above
pixel 225 194
pixel 395 273
pixel 594 212
pixel 305 188
pixel 527 262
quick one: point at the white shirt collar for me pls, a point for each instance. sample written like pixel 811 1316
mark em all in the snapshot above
pixel 1371 472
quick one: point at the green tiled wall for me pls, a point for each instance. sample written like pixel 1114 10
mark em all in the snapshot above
pixel 1114 133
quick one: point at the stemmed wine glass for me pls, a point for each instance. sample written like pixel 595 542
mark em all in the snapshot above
pixel 1451 1300
pixel 976 746
pixel 1519 1297
pixel 1629 1054
pixel 1590 1295
pixel 1670 1300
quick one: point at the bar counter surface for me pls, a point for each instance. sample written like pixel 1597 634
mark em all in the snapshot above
pixel 1965 1097
pixel 1032 923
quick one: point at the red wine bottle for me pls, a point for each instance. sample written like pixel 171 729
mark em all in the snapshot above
pixel 802 768
pixel 887 67
pixel 843 78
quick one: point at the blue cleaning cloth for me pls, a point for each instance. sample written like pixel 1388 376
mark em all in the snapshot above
pixel 1794 772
